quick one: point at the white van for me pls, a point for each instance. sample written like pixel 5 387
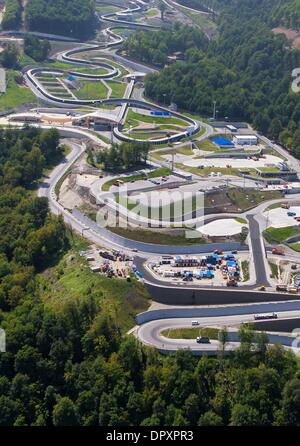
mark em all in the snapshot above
pixel 195 323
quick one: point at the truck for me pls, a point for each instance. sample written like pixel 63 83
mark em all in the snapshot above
pixel 285 206
pixel 262 317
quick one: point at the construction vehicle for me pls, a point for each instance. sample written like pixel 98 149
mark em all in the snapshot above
pixel 278 251
pixel 262 288
pixel 285 206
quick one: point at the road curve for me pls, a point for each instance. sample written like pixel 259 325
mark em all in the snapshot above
pixel 150 333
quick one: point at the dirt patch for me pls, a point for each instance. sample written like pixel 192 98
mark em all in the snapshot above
pixel 296 43
pixel 291 34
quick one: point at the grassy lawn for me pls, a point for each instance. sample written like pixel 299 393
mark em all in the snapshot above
pixel 206 144
pixel 274 270
pixel 191 333
pixel 96 71
pixel 205 171
pixel 154 119
pixel 15 95
pixel 162 171
pixel 249 199
pixel 146 135
pixel 275 206
pixel 245 269
pixel 241 220
pixel 92 90
pixel 173 209
pixel 185 150
pixel 118 89
pixel 269 169
pixel 72 280
pixel 107 8
pixel 279 235
pixel 152 12
pixel 295 246
pixel 158 238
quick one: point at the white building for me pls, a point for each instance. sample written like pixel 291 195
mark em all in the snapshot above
pixel 249 140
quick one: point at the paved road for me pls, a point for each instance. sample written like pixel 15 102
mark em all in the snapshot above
pixel 150 332
pixel 258 252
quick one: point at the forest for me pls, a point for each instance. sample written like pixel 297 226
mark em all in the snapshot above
pixel 124 156
pixel 247 70
pixel 29 237
pixel 71 363
pixel 73 18
pixel 35 48
pixel 287 14
pixel 154 47
pixel 12 15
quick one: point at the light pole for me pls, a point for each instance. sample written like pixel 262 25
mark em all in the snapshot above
pixel 214 112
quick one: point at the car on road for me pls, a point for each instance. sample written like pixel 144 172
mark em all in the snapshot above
pixel 195 323
pixel 291 214
pixel 202 340
pixel 262 317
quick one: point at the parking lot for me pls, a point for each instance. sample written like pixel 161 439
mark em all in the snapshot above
pixel 212 270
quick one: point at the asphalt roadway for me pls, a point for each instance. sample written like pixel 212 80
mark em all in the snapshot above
pixel 149 333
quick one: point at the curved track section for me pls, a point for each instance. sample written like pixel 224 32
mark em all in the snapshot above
pixel 31 77
pixel 117 17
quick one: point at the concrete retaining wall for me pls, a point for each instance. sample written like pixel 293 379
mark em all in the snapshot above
pixel 194 296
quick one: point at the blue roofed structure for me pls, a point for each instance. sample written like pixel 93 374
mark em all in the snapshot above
pixel 222 142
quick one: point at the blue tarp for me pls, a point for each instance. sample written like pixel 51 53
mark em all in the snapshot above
pixel 222 141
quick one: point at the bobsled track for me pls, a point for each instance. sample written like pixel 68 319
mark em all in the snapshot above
pixel 72 57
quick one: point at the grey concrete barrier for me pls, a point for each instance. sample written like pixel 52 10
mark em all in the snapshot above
pixel 194 312
pixel 210 296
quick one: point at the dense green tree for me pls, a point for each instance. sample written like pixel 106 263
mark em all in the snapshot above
pixel 10 56
pixel 248 80
pixel 12 15
pixel 210 419
pixel 155 47
pixel 64 413
pixel 244 415
pixel 291 403
pixel 35 48
pixel 66 17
